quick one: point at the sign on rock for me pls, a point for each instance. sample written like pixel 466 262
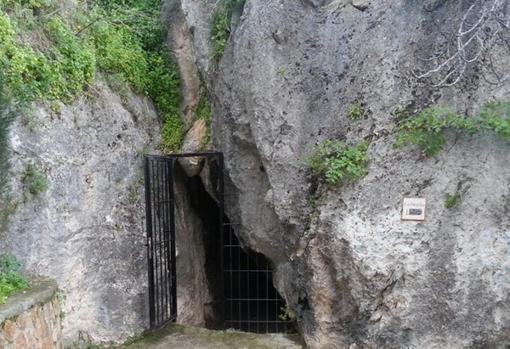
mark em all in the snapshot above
pixel 413 209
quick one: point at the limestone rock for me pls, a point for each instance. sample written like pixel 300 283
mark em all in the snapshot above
pixel 353 271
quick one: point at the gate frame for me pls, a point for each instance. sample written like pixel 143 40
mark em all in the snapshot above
pixel 150 233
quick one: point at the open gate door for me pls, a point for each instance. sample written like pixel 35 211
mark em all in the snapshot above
pixel 159 196
pixel 160 206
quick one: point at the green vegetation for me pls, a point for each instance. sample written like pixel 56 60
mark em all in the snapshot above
pixel 495 116
pixel 221 25
pixel 427 129
pixel 339 163
pixel 204 112
pixel 452 200
pixel 55 58
pixel 34 180
pixel 11 278
pixel 355 111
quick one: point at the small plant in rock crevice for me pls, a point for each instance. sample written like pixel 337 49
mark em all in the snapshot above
pixel 12 279
pixel 221 26
pixel 337 162
pixel 34 180
pixel 355 111
pixel 454 200
pixel 204 112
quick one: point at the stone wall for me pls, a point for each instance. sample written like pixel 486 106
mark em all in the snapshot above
pixel 32 319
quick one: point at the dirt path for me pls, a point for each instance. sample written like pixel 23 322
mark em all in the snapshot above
pixel 186 337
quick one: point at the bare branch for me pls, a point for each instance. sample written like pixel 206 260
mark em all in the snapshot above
pixel 483 34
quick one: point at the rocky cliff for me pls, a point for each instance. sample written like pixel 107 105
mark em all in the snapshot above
pixel 292 72
pixel 355 274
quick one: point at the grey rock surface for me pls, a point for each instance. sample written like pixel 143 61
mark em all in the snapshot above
pixel 86 230
pixel 356 275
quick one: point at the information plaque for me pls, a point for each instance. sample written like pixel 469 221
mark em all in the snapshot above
pixel 413 209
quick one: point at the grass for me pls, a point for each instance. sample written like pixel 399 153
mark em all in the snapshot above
pixel 11 277
pixel 338 163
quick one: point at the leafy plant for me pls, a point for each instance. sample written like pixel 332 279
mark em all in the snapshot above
pixel 34 180
pixel 427 129
pixel 355 111
pixel 11 277
pixel 221 25
pixel 495 116
pixel 452 200
pixel 455 199
pixel 339 163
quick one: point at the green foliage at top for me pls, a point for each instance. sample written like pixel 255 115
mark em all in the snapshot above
pixel 427 129
pixel 11 278
pixel 222 25
pixel 124 38
pixel 355 111
pixel 128 37
pixel 339 163
pixel 164 88
pixel 34 180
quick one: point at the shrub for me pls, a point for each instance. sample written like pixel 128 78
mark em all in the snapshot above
pixel 427 129
pixel 73 59
pixel 11 278
pixel 355 111
pixel 221 25
pixel 339 163
pixel 118 52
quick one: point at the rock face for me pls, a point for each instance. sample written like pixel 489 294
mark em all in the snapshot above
pixel 356 275
pixel 86 229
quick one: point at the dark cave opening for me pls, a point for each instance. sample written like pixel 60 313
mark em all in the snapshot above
pixel 242 288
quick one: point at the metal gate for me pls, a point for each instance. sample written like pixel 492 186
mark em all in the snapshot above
pixel 250 301
pixel 160 206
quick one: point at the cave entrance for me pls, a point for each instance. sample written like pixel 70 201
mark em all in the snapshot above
pixel 241 280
